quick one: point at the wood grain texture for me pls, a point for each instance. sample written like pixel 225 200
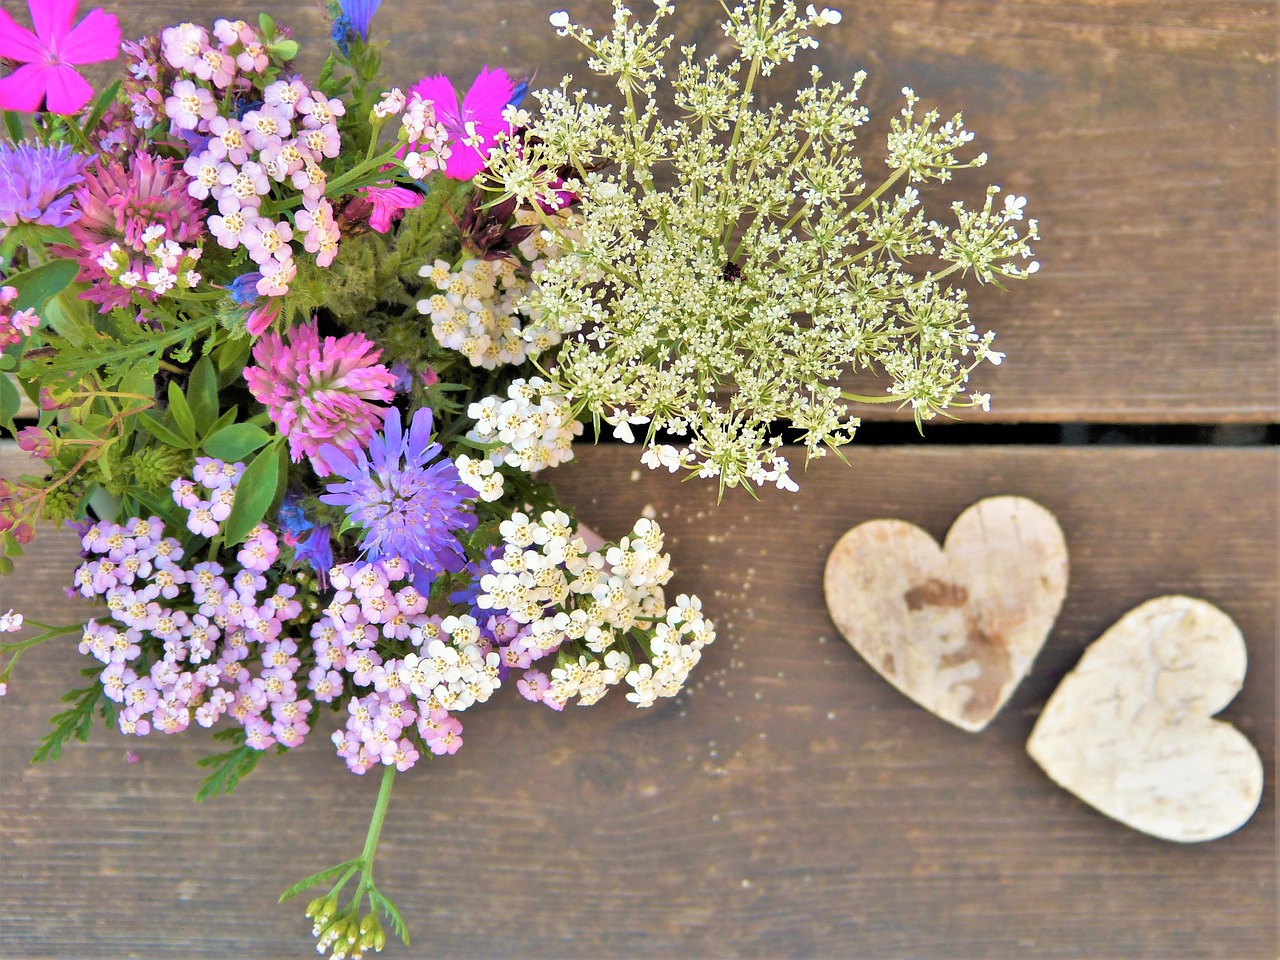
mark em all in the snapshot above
pixel 792 804
pixel 1144 133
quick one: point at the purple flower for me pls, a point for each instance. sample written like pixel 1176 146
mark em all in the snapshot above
pixel 33 185
pixel 408 507
pixel 244 289
pixel 317 552
pixel 478 118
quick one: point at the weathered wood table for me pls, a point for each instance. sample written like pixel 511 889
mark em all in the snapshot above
pixel 792 803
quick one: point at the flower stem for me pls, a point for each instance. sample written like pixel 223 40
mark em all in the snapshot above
pixel 379 815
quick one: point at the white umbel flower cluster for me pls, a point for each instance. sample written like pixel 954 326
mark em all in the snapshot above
pixel 604 611
pixel 533 428
pixel 735 265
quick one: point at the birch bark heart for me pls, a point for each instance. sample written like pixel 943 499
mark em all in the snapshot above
pixel 1128 731
pixel 954 628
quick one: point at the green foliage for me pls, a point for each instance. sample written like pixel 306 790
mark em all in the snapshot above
pixel 236 442
pixel 227 769
pixel 254 494
pixel 77 720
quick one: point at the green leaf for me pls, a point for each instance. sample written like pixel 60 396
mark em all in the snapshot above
pixel 10 402
pixel 285 49
pixel 228 768
pixel 267 24
pixel 75 722
pixel 232 357
pixel 140 380
pixel 13 124
pixel 104 101
pixel 254 493
pixel 37 285
pixel 153 423
pixel 236 442
pixel 328 873
pixel 228 417
pixel 182 414
pixel 202 395
pixel 389 910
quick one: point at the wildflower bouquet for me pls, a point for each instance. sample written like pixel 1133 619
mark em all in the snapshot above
pixel 301 350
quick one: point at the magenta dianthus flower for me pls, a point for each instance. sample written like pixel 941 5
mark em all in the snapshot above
pixel 473 124
pixel 320 392
pixel 48 56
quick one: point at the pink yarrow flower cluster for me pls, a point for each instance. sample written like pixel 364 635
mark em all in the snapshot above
pixel 279 144
pixel 320 392
pixel 453 667
pixel 228 658
pixel 14 324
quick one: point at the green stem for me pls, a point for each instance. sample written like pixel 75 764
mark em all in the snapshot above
pixel 375 825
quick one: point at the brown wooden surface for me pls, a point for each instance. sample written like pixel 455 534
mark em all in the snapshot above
pixel 792 804
pixel 1144 134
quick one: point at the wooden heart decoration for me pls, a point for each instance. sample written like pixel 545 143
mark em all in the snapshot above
pixel 954 628
pixel 1129 730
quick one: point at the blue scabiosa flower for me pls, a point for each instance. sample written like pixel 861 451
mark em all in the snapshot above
pixel 34 181
pixel 407 506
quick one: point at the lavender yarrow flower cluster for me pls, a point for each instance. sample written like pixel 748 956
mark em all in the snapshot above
pixel 34 185
pixel 214 627
pixel 248 135
pixel 453 665
pixel 408 506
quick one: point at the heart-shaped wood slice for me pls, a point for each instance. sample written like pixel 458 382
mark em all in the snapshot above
pixel 954 628
pixel 1129 730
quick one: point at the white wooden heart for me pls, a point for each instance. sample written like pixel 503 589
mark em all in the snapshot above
pixel 1128 731
pixel 954 628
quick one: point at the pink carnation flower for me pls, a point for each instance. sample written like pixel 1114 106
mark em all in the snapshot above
pixel 473 124
pixel 49 55
pixel 318 392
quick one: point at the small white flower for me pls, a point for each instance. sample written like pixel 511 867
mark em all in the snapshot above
pixel 10 622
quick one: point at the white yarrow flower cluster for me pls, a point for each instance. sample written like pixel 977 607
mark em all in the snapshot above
pixel 593 605
pixel 533 428
pixel 480 476
pixel 481 309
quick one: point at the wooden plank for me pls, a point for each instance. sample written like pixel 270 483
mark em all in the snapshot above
pixel 1144 133
pixel 791 804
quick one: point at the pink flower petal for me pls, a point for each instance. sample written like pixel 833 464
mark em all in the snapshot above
pixel 68 91
pixel 439 90
pixel 464 163
pixel 94 39
pixel 52 20
pixel 17 42
pixel 23 89
pixel 488 95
